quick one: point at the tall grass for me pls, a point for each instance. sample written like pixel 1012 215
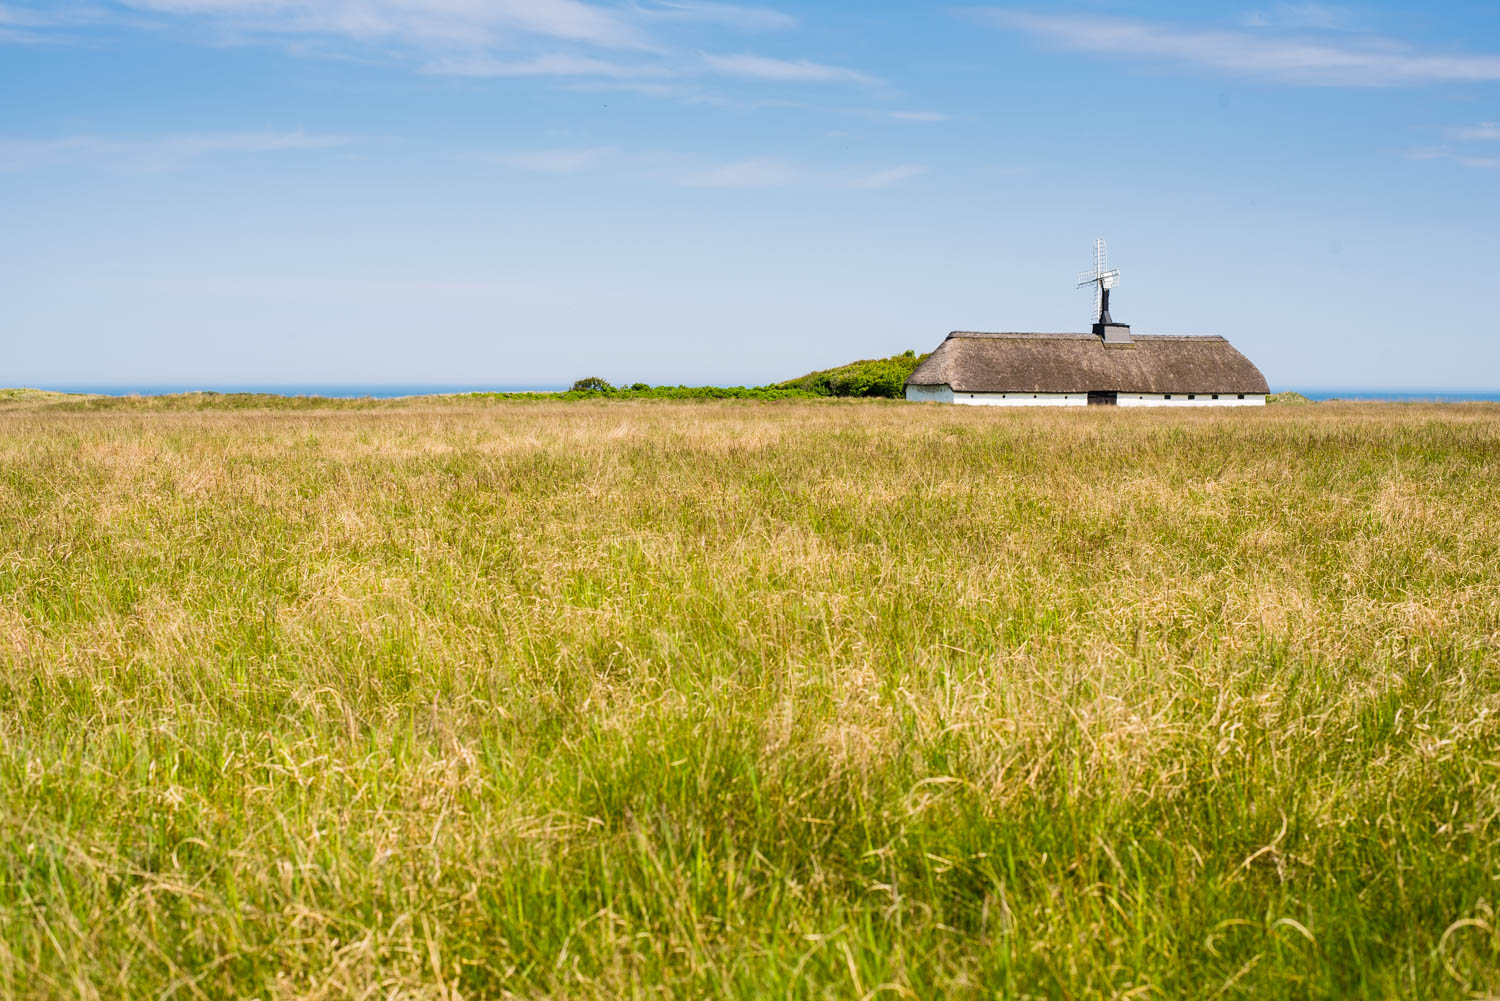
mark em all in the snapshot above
pixel 749 700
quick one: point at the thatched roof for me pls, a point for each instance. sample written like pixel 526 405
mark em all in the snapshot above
pixel 1077 363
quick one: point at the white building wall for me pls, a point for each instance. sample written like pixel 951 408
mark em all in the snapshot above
pixel 945 394
pixel 930 394
pixel 1022 399
pixel 1192 400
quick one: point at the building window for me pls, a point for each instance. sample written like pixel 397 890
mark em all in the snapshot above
pixel 1242 396
pixel 1167 397
pixel 1216 396
pixel 1192 396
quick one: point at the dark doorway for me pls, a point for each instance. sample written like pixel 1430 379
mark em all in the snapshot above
pixel 1103 399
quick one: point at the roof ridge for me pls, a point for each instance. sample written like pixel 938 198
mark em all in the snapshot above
pixel 1018 333
pixel 1075 335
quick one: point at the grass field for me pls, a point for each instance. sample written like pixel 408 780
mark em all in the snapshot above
pixel 788 700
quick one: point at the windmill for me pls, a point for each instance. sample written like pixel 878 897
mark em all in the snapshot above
pixel 1102 278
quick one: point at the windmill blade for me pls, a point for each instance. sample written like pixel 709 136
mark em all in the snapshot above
pixel 1102 278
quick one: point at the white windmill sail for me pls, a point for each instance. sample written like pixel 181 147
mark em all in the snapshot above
pixel 1102 278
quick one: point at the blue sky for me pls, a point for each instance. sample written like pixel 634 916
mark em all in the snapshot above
pixel 225 192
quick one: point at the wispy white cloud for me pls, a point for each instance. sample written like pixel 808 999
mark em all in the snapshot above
pixel 888 177
pixel 771 172
pixel 760 172
pixel 1306 17
pixel 1483 132
pixel 1365 61
pixel 15 17
pixel 729 15
pixel 459 23
pixel 683 91
pixel 164 153
pixel 679 170
pixel 1462 159
pixel 62 15
pixel 546 65
pixel 783 70
pixel 1477 133
pixel 31 25
pixel 617 40
pixel 555 161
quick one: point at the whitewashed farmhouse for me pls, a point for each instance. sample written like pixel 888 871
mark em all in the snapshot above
pixel 1106 367
pixel 1075 370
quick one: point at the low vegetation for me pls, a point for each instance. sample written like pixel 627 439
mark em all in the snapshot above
pixel 877 377
pixel 489 699
pixel 23 395
pixel 586 389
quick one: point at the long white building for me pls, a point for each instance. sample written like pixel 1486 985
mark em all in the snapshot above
pixel 1108 367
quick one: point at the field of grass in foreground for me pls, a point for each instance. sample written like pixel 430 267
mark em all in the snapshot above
pixel 787 700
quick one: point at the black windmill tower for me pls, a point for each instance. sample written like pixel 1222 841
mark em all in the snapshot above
pixel 1102 278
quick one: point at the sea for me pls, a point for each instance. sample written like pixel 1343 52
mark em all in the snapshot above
pixel 392 390
pixel 1393 395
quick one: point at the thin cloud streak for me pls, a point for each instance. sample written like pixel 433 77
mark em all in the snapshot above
pixel 756 67
pixel 760 172
pixel 12 16
pixel 1366 62
pixel 680 171
pixel 1483 132
pixel 1462 159
pixel 579 39
pixel 729 15
pixel 744 66
pixel 29 26
pixel 425 22
pixel 1305 17
pixel 886 178
pixel 550 65
pixel 165 153
pixel 769 172
pixel 553 161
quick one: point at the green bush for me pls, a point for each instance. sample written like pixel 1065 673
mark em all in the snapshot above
pixel 592 384
pixel 875 377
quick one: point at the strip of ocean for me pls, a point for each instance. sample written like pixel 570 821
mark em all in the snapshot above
pixel 1398 395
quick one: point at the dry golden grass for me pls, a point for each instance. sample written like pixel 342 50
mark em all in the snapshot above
pixel 592 700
